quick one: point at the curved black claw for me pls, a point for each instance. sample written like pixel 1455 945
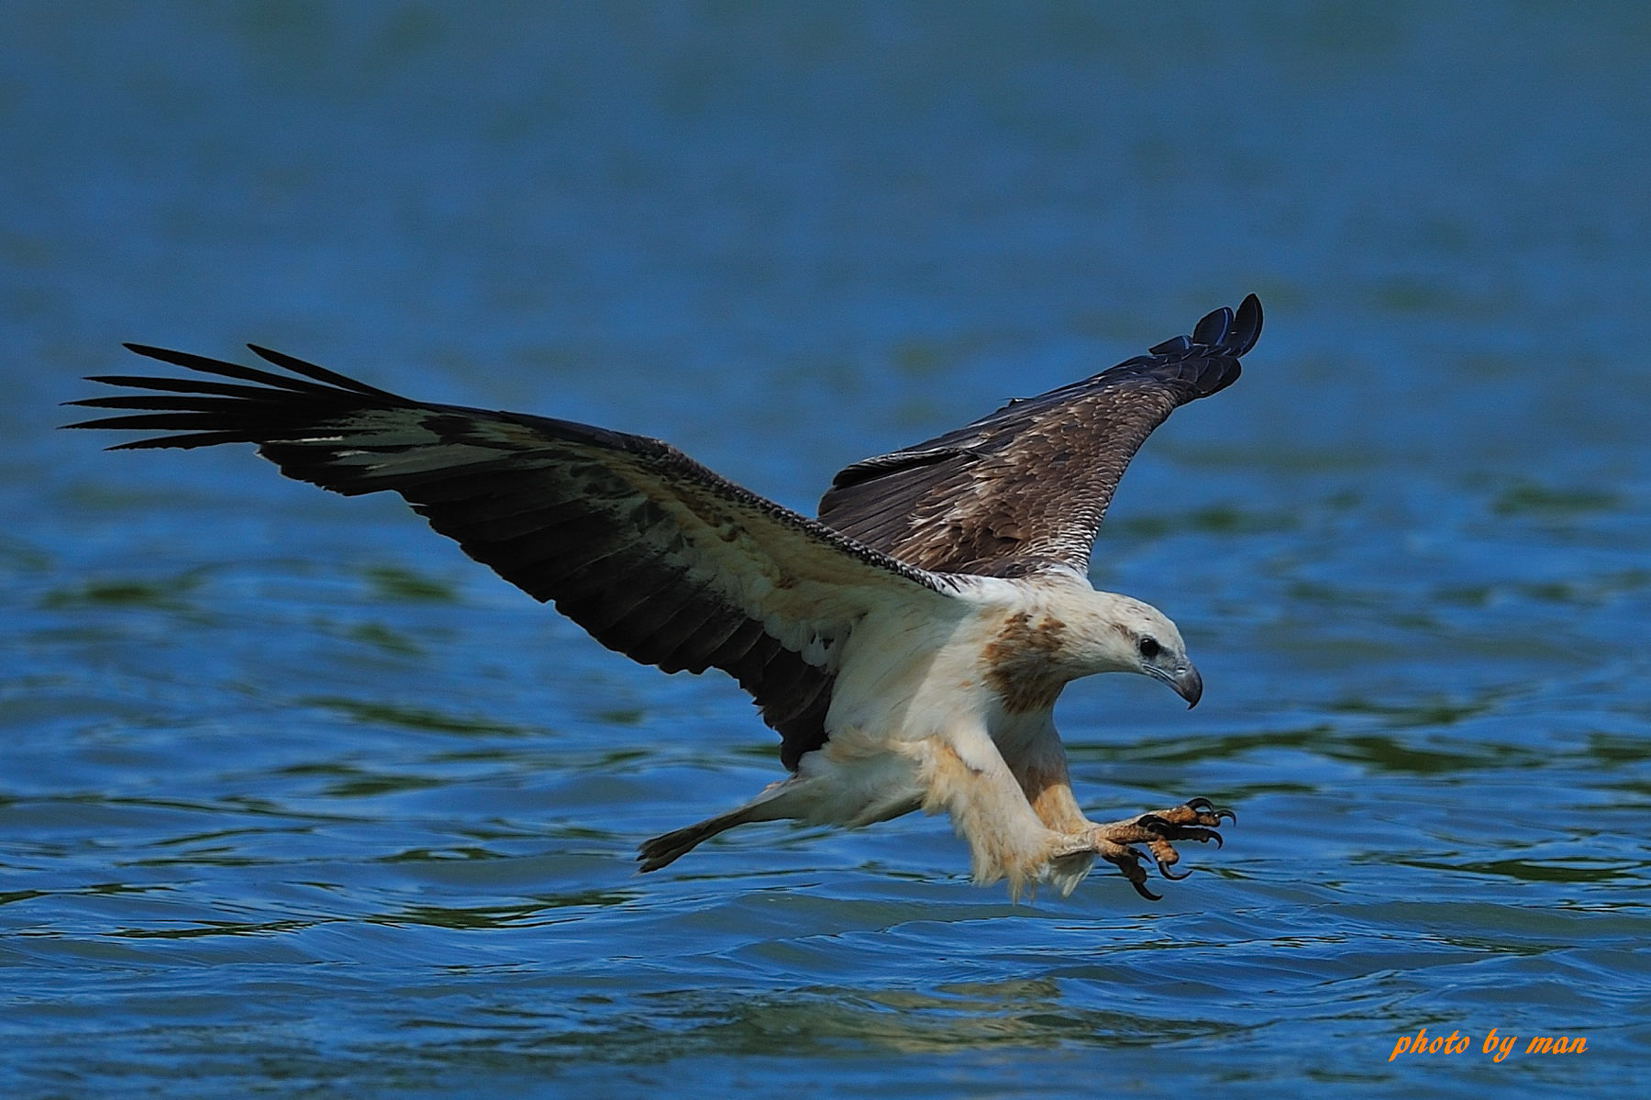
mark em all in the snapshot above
pixel 1141 888
pixel 1163 869
pixel 1205 806
pixel 1202 836
pixel 1128 860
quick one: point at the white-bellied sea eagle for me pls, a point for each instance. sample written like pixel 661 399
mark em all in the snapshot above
pixel 908 645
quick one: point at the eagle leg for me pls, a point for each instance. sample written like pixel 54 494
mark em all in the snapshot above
pixel 1197 819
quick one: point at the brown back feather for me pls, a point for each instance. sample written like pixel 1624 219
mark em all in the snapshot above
pixel 1026 488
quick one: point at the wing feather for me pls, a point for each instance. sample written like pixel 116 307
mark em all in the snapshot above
pixel 652 553
pixel 1026 488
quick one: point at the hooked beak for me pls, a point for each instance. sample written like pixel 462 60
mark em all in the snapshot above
pixel 1183 678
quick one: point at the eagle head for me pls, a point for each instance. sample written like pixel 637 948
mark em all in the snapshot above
pixel 1119 634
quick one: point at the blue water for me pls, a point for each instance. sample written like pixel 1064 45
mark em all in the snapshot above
pixel 295 799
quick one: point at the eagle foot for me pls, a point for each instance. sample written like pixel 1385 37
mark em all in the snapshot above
pixel 1197 819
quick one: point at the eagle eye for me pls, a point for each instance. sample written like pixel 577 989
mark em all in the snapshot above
pixel 1149 647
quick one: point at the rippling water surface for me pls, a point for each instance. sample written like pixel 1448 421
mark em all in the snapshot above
pixel 293 797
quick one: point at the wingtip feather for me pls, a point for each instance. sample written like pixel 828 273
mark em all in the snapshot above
pixel 1232 332
pixel 1213 328
pixel 319 373
pixel 1246 325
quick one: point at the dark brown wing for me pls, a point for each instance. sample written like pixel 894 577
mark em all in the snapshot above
pixel 654 554
pixel 1025 488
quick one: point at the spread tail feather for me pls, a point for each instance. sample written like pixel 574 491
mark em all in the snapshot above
pixel 775 801
pixel 661 850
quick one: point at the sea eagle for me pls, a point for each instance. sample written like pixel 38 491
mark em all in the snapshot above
pixel 908 645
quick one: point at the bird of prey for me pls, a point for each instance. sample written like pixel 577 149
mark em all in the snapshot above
pixel 908 644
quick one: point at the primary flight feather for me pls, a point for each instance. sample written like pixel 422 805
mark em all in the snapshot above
pixel 908 645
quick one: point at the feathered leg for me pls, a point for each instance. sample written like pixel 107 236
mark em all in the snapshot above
pixel 965 776
pixel 1040 769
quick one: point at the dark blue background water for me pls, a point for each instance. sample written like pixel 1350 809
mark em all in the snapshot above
pixel 293 797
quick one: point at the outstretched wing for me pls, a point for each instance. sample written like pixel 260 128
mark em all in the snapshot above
pixel 654 554
pixel 1025 488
